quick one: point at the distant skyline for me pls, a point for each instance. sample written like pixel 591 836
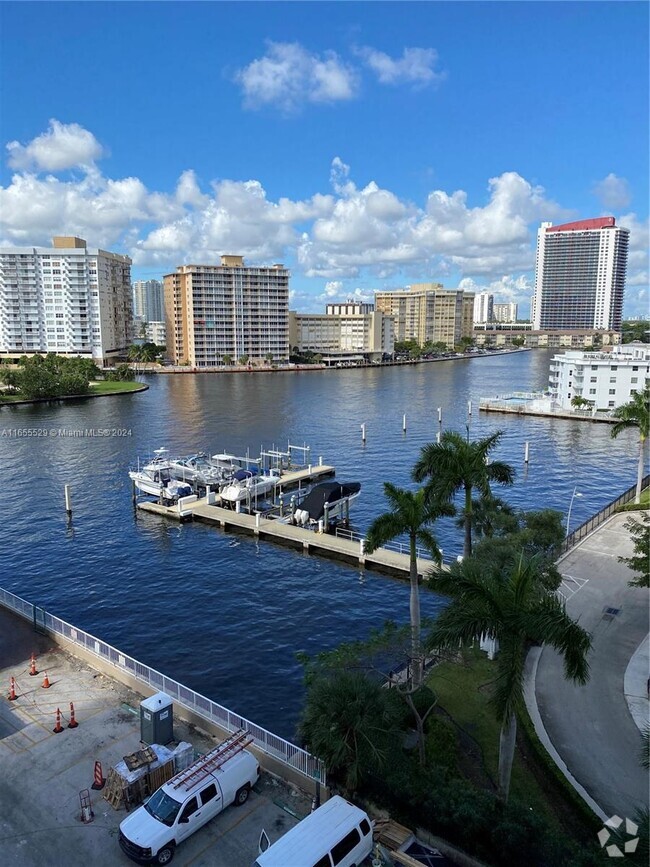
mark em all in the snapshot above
pixel 364 145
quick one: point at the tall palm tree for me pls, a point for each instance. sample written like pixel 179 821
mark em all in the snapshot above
pixel 635 413
pixel 455 464
pixel 513 607
pixel 411 514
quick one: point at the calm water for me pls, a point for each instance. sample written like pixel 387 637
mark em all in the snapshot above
pixel 225 614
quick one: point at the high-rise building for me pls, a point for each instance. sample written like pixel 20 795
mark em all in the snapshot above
pixel 148 303
pixel 213 311
pixel 426 312
pixel 505 312
pixel 605 379
pixel 483 307
pixel 580 275
pixel 65 299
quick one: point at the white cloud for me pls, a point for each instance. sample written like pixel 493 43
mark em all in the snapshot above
pixel 415 66
pixel 62 146
pixel 288 76
pixel 333 288
pixel 613 192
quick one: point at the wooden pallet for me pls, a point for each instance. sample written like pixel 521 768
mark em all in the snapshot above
pixel 158 776
pixel 114 791
pixel 391 834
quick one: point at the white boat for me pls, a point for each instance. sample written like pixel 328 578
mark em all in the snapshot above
pixel 198 470
pixel 326 502
pixel 155 478
pixel 250 485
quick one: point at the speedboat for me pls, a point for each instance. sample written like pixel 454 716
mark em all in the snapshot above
pixel 198 470
pixel 250 484
pixel 326 501
pixel 155 478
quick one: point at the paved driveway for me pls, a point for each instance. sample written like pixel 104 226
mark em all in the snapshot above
pixel 591 726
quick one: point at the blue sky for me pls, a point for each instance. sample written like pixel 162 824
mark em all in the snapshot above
pixel 366 145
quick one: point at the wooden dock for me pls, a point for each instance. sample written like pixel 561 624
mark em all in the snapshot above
pixel 325 544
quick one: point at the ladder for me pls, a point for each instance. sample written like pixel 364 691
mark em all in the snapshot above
pixel 213 760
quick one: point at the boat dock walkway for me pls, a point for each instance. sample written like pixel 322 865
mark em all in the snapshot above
pixel 325 544
pixel 520 408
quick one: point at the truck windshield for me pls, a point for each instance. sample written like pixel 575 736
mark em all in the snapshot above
pixel 162 807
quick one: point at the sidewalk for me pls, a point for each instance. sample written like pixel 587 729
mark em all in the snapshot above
pixel 591 726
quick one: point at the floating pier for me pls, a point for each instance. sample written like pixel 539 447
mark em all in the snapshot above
pixel 538 405
pixel 325 544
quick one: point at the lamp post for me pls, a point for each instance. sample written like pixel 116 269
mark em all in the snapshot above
pixel 575 494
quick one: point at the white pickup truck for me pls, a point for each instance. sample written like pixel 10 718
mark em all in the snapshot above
pixel 190 799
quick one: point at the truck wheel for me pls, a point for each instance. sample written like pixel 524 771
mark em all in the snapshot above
pixel 242 795
pixel 166 854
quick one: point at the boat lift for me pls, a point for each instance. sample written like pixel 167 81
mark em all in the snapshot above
pixel 295 457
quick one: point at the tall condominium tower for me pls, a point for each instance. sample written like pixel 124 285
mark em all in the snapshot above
pixel 148 302
pixel 483 307
pixel 427 312
pixel 66 299
pixel 580 275
pixel 213 311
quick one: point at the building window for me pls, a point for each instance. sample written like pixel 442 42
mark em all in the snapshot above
pixel 612 391
pixel 592 391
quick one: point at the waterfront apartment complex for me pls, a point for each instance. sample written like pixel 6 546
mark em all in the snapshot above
pixel 356 331
pixel 65 299
pixel 214 311
pixel 148 304
pixel 426 312
pixel 604 379
pixel 580 275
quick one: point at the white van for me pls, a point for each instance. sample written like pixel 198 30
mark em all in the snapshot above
pixel 190 799
pixel 338 834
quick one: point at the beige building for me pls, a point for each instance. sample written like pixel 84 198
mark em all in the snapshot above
pixel 214 311
pixel 353 332
pixel 65 299
pixel 428 312
pixel 502 336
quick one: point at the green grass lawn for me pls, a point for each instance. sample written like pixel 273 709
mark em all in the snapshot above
pixel 463 689
pixel 643 504
pixel 114 387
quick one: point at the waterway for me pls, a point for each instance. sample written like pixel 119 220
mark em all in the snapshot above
pixel 226 614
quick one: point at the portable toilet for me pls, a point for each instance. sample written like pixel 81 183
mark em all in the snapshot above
pixel 157 719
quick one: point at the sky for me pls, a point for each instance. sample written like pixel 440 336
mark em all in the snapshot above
pixel 365 145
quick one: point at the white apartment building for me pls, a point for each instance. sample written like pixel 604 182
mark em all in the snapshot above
pixel 156 333
pixel 580 275
pixel 505 312
pixel 605 379
pixel 214 311
pixel 428 312
pixel 65 299
pixel 330 334
pixel 148 301
pixel 483 308
pixel 349 307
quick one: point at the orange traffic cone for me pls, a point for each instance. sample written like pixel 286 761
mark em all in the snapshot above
pixel 73 722
pixel 12 689
pixel 58 728
pixel 46 682
pixel 98 782
pixel 32 667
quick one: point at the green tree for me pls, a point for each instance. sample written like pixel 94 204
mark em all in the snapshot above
pixel 227 360
pixel 411 514
pixel 348 722
pixel 11 379
pixel 148 352
pixel 134 352
pixel 456 464
pixel 639 562
pixel 518 341
pixel 268 358
pixel 243 359
pixel 514 608
pixel 635 414
pixel 490 515
pixel 578 401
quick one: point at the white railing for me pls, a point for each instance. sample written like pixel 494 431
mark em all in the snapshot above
pixel 400 547
pixel 273 745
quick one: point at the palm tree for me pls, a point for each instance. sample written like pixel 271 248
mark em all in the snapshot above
pixel 456 463
pixel 411 513
pixel 514 608
pixel 636 413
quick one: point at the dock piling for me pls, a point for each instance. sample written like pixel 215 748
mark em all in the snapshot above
pixel 526 452
pixel 68 502
pixel 404 423
pixel 469 408
pixel 439 415
pixel 363 432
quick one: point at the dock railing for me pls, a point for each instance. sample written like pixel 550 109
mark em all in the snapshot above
pixel 273 745
pixel 597 519
pixel 400 547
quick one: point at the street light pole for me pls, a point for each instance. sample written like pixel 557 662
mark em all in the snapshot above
pixel 568 517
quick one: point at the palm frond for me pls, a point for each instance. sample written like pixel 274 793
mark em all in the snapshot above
pixel 548 623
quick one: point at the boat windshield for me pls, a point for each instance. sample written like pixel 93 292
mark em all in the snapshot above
pixel 164 476
pixel 162 807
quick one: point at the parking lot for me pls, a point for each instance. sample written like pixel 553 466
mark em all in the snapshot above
pixel 43 773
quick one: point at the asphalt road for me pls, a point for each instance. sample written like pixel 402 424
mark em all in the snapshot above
pixel 591 726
